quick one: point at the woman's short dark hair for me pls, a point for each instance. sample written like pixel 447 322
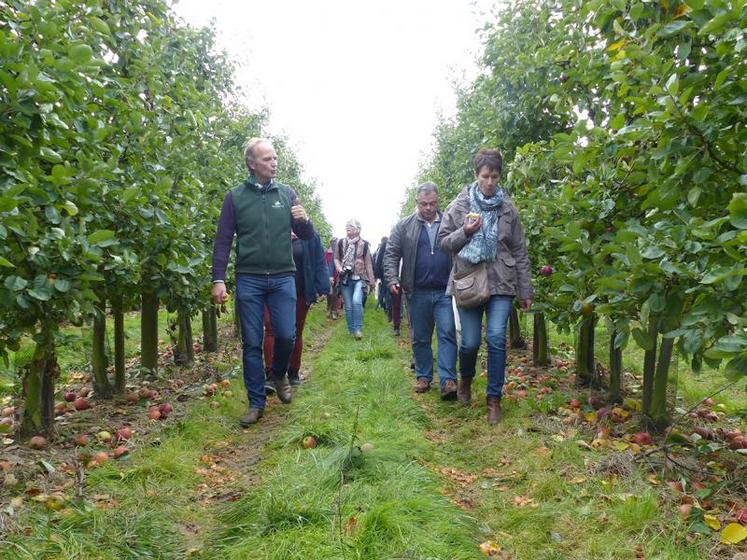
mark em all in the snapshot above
pixel 488 158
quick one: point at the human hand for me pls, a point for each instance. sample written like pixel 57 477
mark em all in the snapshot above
pixel 394 289
pixel 526 304
pixel 472 223
pixel 299 213
pixel 220 295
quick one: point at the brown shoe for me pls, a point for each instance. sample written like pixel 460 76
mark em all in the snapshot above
pixel 494 410
pixel 251 417
pixel 283 389
pixel 449 392
pixel 464 391
pixel 422 385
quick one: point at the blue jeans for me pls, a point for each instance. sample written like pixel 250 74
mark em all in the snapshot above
pixel 279 295
pixel 428 308
pixel 497 309
pixel 352 297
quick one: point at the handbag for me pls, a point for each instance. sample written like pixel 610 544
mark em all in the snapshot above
pixel 470 288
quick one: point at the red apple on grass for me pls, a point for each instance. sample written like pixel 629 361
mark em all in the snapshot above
pixel 81 404
pixel 642 438
pixel 123 434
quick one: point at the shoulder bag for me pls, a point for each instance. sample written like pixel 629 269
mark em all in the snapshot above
pixel 470 288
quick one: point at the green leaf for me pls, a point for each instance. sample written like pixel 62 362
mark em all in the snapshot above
pixel 80 53
pixel 736 366
pixel 738 210
pixel 672 28
pixel 672 85
pixel 99 25
pixel 62 285
pixel 720 274
pixel 100 236
pixel 40 293
pixel 716 23
pixel 721 78
pixel 15 283
pixel 71 208
pixel 652 252
pixel 50 155
pixel 617 122
pixel 6 263
pixel 693 195
pixel 642 339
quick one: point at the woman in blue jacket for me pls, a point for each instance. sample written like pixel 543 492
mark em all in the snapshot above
pixel 312 283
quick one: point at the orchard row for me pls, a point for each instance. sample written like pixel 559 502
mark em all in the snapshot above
pixel 118 140
pixel 623 130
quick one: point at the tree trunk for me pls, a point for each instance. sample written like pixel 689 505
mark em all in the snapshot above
pixel 514 328
pixel 649 369
pixel 541 342
pixel 586 374
pixel 659 415
pixel 101 384
pixel 184 354
pixel 149 332
pixel 119 345
pixel 209 329
pixel 616 373
pixel 38 388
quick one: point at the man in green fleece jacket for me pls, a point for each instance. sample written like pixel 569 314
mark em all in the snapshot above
pixel 261 213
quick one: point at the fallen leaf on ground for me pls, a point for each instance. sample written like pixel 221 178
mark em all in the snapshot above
pixel 489 548
pixel 523 501
pixel 733 533
pixel 712 521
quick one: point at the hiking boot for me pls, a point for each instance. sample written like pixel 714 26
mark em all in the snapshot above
pixel 449 391
pixel 293 378
pixel 283 389
pixel 251 417
pixel 494 410
pixel 464 391
pixel 422 385
pixel 396 331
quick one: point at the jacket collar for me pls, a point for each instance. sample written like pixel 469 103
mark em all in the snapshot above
pixel 252 182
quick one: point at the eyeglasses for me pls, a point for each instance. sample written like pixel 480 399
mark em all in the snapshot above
pixel 427 204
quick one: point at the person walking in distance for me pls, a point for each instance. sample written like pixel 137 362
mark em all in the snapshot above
pixel 355 274
pixel 261 213
pixel 423 277
pixel 482 231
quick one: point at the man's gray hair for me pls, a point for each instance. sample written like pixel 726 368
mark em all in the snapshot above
pixel 426 188
pixel 249 148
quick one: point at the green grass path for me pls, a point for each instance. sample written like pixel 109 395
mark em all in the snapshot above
pixel 393 475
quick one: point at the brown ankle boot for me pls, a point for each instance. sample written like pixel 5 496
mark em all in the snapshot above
pixel 464 390
pixel 494 410
pixel 283 389
pixel 251 417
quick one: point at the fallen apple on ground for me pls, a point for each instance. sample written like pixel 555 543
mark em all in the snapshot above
pixel 81 404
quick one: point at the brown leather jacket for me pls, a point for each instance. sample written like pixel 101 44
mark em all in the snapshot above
pixel 510 273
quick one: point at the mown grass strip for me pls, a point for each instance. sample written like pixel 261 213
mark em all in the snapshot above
pixel 336 501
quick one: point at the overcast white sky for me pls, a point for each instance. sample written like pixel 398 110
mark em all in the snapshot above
pixel 357 87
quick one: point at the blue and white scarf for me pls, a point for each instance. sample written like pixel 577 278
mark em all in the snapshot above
pixel 483 245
